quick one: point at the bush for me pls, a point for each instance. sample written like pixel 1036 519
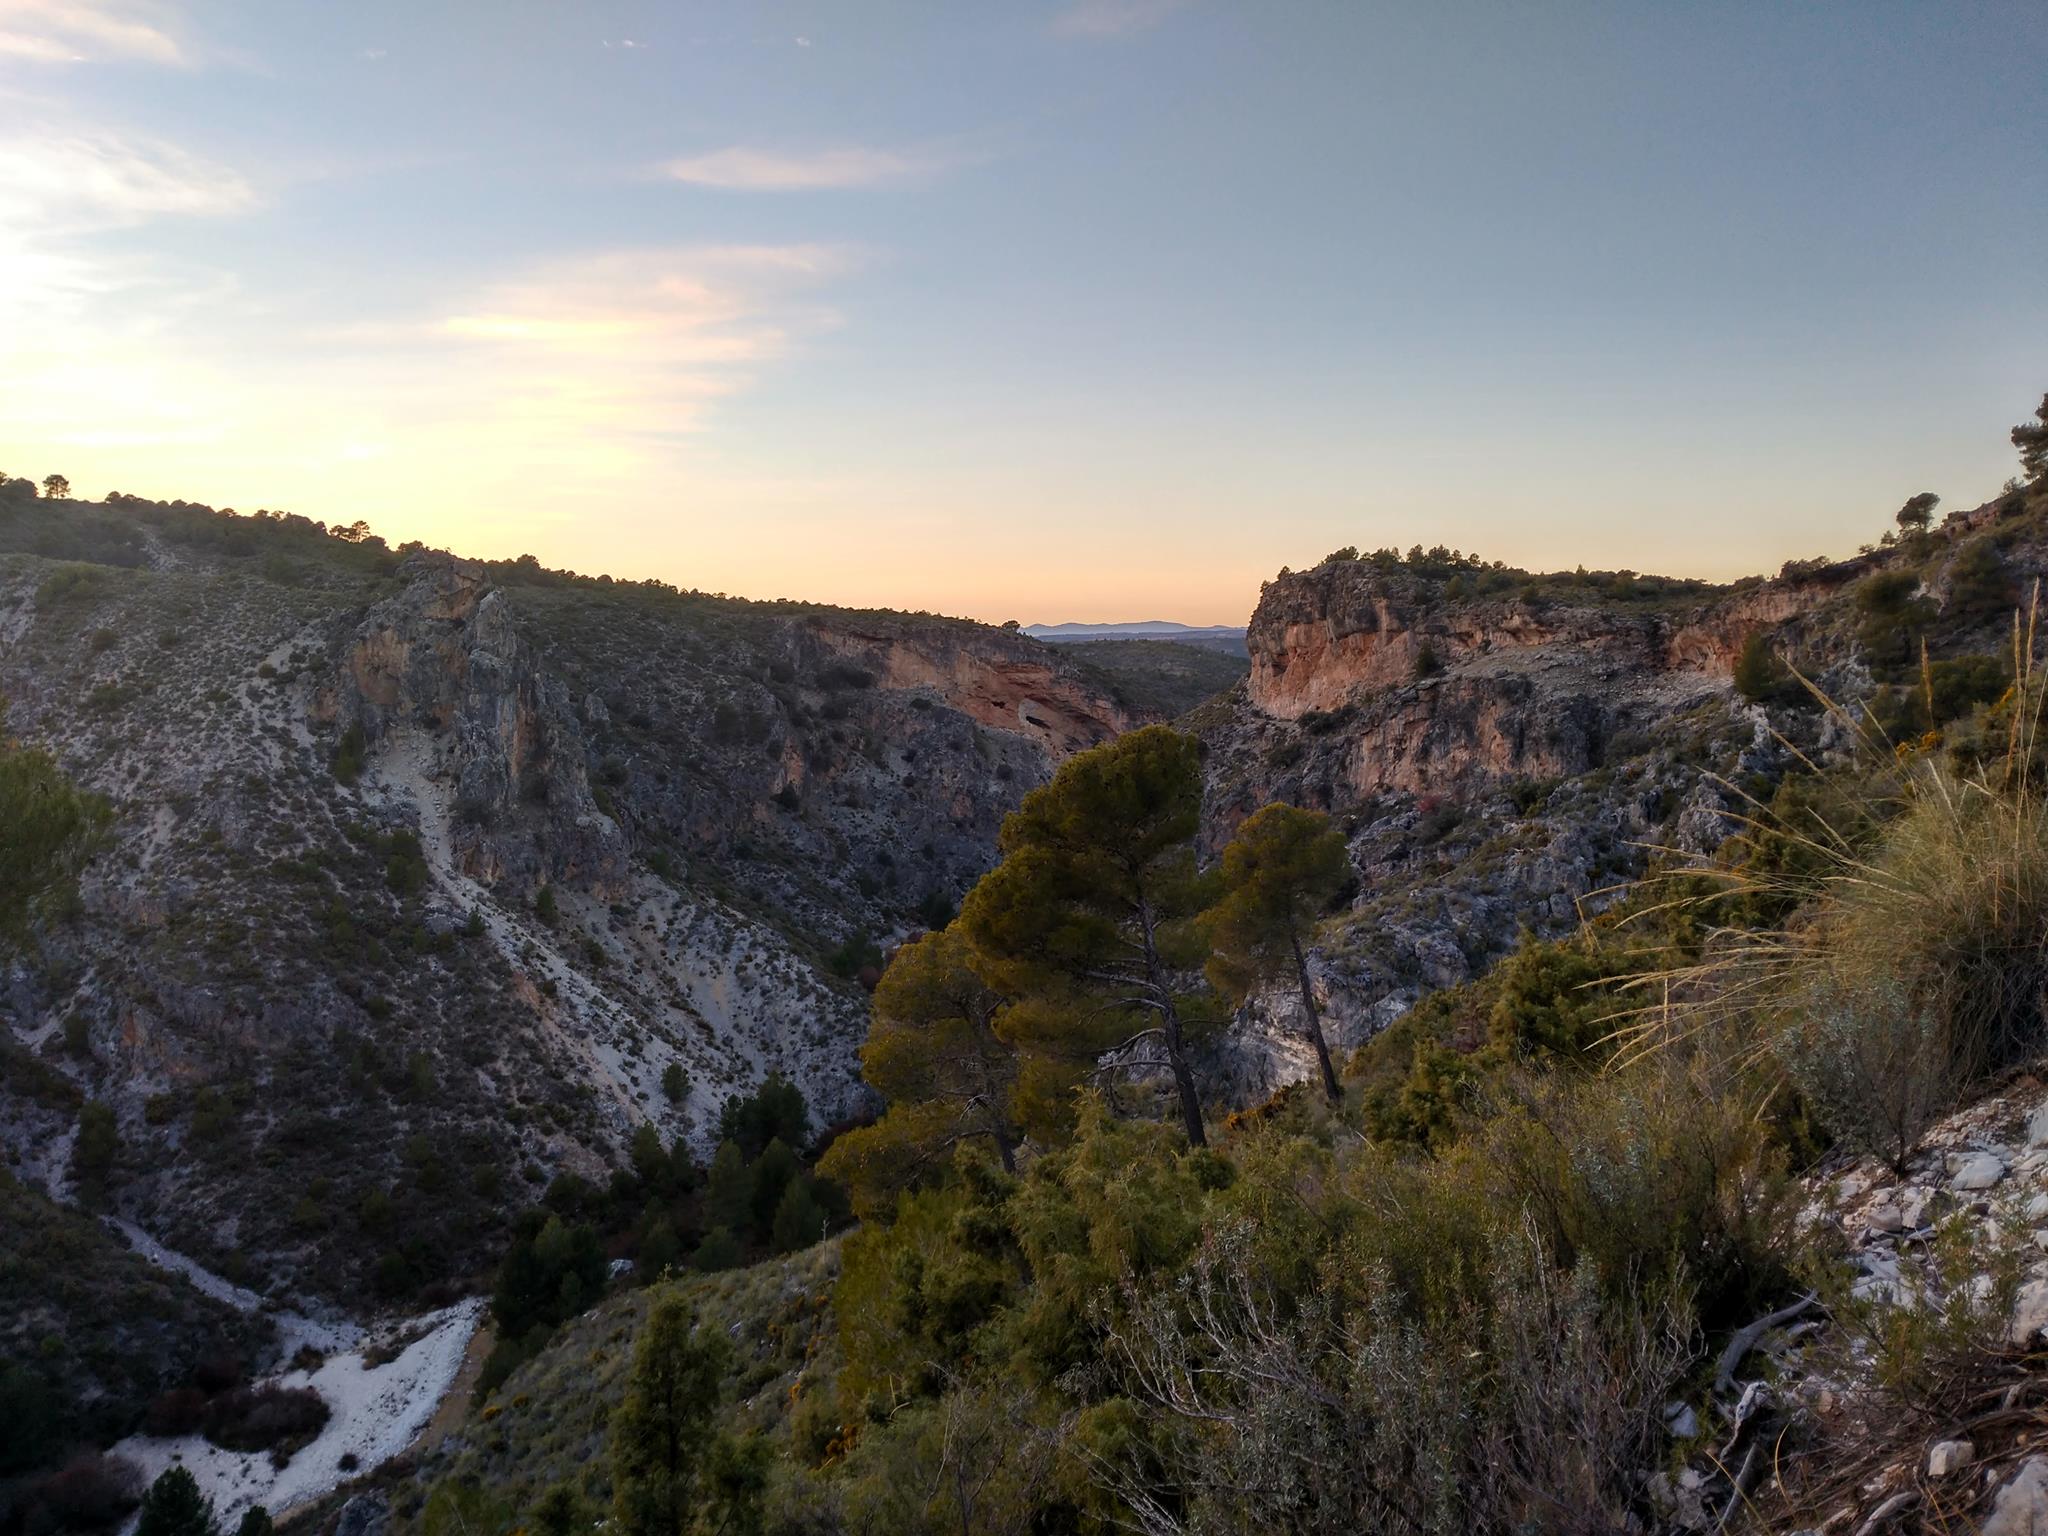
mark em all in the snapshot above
pixel 72 584
pixel 1327 1419
pixel 92 1491
pixel 1659 1174
pixel 265 1417
pixel 1877 1069
pixel 1760 677
pixel 180 1411
pixel 719 1250
pixel 174 1506
pixel 350 754
pixel 1979 586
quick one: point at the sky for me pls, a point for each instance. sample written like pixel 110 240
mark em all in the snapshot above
pixel 1035 309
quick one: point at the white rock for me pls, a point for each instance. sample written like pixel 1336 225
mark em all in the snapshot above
pixel 2037 1126
pixel 2021 1508
pixel 1949 1456
pixel 1683 1423
pixel 2029 1317
pixel 1885 1218
pixel 1980 1170
pixel 2037 1207
pixel 1881 1281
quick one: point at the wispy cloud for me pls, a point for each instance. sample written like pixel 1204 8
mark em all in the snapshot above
pixel 747 169
pixel 95 334
pixel 75 31
pixel 635 342
pixel 57 182
pixel 1113 18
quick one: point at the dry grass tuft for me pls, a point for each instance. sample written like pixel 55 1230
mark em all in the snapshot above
pixel 1914 962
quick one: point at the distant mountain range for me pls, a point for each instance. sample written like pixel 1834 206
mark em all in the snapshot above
pixel 1213 635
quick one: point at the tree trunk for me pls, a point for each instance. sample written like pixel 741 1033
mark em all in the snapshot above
pixel 1006 1149
pixel 1183 1079
pixel 1332 1089
pixel 1161 987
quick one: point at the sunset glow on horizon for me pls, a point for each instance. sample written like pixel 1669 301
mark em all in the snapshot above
pixel 1084 310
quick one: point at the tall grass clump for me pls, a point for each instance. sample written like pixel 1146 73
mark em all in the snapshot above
pixel 1912 959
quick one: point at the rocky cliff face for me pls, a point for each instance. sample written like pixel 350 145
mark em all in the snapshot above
pixel 425 873
pixel 1318 638
pixel 1505 750
pixel 994 678
pixel 442 661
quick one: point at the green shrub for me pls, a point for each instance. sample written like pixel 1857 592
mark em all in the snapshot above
pixel 70 584
pixel 98 1145
pixel 350 754
pixel 1877 1069
pixel 1760 676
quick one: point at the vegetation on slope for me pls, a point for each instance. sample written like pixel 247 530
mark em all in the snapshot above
pixel 1463 1297
pixel 1460 1293
pixel 1159 679
pixel 91 1332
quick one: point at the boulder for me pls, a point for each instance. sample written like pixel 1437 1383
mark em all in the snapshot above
pixel 2029 1315
pixel 1980 1170
pixel 2037 1126
pixel 2021 1507
pixel 1946 1457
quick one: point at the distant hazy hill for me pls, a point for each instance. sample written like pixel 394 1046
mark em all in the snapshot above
pixel 1216 637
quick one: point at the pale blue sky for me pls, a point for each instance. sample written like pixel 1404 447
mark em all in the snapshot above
pixel 1045 310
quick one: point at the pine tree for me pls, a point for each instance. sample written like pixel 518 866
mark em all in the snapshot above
pixel 1917 515
pixel 1088 921
pixel 1278 873
pixel 935 1053
pixel 773 1172
pixel 799 1219
pixel 719 1250
pixel 650 1157
pixel 48 829
pixel 174 1506
pixel 729 1190
pixel 2031 438
pixel 662 1434
pixel 255 1522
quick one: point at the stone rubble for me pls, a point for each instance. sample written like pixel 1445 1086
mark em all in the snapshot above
pixel 1977 1185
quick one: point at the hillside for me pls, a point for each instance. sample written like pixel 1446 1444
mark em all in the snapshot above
pixel 1159 679
pixel 1505 750
pixel 446 909
pixel 109 1330
pixel 424 873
